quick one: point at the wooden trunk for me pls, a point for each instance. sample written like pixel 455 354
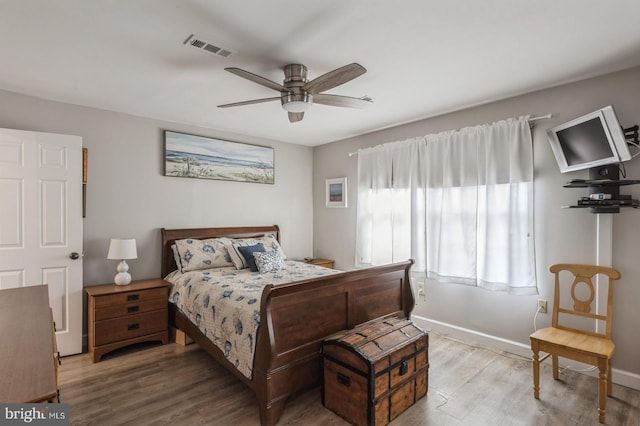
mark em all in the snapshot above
pixel 374 372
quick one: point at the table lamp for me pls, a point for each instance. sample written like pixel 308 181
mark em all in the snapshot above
pixel 121 249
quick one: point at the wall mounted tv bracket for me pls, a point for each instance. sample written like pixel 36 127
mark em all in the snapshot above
pixel 631 135
pixel 612 172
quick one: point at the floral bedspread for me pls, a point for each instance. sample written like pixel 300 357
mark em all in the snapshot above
pixel 224 303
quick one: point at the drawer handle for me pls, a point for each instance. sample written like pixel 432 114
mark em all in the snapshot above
pixel 132 297
pixel 344 380
pixel 404 367
pixel 133 326
pixel 132 309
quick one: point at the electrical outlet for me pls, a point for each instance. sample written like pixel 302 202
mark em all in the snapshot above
pixel 421 291
pixel 542 306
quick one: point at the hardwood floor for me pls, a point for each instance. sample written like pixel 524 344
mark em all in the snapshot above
pixel 468 385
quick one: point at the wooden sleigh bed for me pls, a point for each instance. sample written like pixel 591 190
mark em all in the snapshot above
pixel 296 317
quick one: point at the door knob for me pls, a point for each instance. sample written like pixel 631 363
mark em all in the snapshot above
pixel 74 256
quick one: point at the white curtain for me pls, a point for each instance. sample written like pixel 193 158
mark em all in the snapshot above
pixel 459 203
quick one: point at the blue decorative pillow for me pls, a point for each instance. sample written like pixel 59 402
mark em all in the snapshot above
pixel 248 251
pixel 269 261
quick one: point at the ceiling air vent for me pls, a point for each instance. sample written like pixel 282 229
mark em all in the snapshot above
pixel 212 48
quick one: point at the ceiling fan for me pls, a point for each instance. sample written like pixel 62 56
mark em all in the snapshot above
pixel 297 94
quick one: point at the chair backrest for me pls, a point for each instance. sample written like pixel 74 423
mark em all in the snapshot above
pixel 580 306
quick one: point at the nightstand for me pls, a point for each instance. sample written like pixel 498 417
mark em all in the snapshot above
pixel 320 262
pixel 121 315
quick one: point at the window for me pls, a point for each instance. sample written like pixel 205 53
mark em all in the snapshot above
pixel 459 203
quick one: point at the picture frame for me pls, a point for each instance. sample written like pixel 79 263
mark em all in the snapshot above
pixel 203 157
pixel 336 193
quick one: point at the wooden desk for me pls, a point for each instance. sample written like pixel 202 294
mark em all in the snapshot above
pixel 28 372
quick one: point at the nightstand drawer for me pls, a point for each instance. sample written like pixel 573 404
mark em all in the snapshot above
pixel 131 297
pixel 132 308
pixel 115 330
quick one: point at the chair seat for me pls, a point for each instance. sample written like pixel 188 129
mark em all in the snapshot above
pixel 599 347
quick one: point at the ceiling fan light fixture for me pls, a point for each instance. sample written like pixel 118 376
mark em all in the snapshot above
pixel 297 102
pixel 297 106
pixel 297 94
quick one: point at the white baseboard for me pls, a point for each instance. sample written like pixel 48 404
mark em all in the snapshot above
pixel 620 377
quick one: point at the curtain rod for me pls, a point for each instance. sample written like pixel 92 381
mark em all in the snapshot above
pixel 541 117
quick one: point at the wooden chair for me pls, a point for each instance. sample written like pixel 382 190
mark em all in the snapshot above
pixel 590 347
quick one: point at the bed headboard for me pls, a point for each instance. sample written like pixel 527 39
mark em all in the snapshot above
pixel 170 235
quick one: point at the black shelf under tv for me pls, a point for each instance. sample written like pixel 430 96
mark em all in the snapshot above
pixel 585 183
pixel 604 191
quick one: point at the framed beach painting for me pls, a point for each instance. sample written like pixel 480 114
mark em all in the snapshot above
pixel 336 192
pixel 208 158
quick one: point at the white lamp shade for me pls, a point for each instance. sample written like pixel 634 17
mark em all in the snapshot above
pixel 122 248
pixel 296 102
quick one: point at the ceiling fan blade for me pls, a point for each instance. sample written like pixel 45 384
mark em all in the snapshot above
pixel 341 101
pixel 334 78
pixel 258 79
pixel 255 101
pixel 295 116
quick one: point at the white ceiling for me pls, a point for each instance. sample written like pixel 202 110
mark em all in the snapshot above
pixel 423 57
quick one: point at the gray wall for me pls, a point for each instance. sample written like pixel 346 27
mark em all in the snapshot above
pixel 562 235
pixel 128 196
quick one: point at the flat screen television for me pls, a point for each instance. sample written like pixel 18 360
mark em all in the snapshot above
pixel 592 140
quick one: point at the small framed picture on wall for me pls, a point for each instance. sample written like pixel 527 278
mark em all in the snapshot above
pixel 336 193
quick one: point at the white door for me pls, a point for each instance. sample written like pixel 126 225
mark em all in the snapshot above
pixel 41 223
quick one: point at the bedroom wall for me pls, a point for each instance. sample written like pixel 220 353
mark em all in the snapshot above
pixel 562 235
pixel 128 196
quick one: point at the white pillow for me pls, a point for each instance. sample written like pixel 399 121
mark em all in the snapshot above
pixel 268 261
pixel 176 256
pixel 203 254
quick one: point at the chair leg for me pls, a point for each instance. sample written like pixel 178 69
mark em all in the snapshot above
pixel 609 378
pixel 536 374
pixel 554 363
pixel 602 388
